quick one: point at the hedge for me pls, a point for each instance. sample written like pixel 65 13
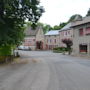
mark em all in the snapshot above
pixel 5 53
pixel 60 49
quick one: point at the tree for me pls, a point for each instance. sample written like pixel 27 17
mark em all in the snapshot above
pixel 88 13
pixel 62 24
pixel 72 18
pixel 47 27
pixel 56 27
pixel 68 43
pixel 13 14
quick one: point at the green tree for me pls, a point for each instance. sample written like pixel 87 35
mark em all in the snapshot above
pixel 68 43
pixel 62 24
pixel 88 13
pixel 13 14
pixel 47 28
pixel 72 18
pixel 56 27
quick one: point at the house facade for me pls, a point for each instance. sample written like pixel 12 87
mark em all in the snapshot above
pixel 34 38
pixel 65 33
pixel 81 40
pixel 52 39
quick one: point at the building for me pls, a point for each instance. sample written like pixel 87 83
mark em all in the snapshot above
pixel 52 39
pixel 34 38
pixel 65 33
pixel 81 40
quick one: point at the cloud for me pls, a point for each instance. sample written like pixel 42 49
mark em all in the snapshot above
pixel 60 10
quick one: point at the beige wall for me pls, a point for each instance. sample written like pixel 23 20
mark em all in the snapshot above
pixel 50 41
pixel 85 39
pixel 65 34
pixel 40 37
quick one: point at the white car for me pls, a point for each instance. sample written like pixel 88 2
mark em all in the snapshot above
pixel 24 48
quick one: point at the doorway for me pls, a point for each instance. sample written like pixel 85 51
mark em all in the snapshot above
pixel 39 45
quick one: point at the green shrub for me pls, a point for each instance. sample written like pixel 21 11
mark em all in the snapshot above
pixel 58 49
pixel 5 50
pixel 5 53
pixel 61 49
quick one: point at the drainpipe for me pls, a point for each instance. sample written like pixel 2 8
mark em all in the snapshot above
pixel 89 49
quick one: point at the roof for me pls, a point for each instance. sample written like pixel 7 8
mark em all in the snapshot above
pixel 31 32
pixel 53 32
pixel 67 27
pixel 78 18
pixel 83 21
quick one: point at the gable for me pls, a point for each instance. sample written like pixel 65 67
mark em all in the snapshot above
pixel 31 32
pixel 40 34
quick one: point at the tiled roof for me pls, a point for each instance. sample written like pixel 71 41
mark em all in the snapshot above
pixel 31 32
pixel 67 27
pixel 53 32
pixel 83 21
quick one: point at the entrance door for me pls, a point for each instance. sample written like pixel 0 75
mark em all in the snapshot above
pixel 39 45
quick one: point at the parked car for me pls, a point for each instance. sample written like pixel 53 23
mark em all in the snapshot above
pixel 24 47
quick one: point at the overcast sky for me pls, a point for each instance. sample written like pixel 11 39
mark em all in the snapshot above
pixel 57 11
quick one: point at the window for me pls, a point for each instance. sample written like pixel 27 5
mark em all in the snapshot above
pixel 83 48
pixel 29 41
pixel 62 33
pixel 33 39
pixel 81 32
pixel 55 40
pixel 68 32
pixel 87 31
pixel 47 40
pixel 50 46
pixel 50 40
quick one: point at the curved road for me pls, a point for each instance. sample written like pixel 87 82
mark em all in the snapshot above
pixel 44 70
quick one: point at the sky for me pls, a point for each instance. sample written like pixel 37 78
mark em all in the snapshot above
pixel 57 11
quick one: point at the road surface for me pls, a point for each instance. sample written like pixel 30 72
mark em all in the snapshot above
pixel 44 70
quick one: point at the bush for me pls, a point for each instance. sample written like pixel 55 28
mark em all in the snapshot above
pixel 5 53
pixel 5 50
pixel 61 49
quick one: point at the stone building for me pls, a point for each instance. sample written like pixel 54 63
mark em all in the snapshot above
pixel 65 33
pixel 34 38
pixel 52 39
pixel 81 40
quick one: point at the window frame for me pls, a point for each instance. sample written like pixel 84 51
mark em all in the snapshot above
pixel 81 33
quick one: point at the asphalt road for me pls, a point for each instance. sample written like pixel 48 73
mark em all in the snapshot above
pixel 44 70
